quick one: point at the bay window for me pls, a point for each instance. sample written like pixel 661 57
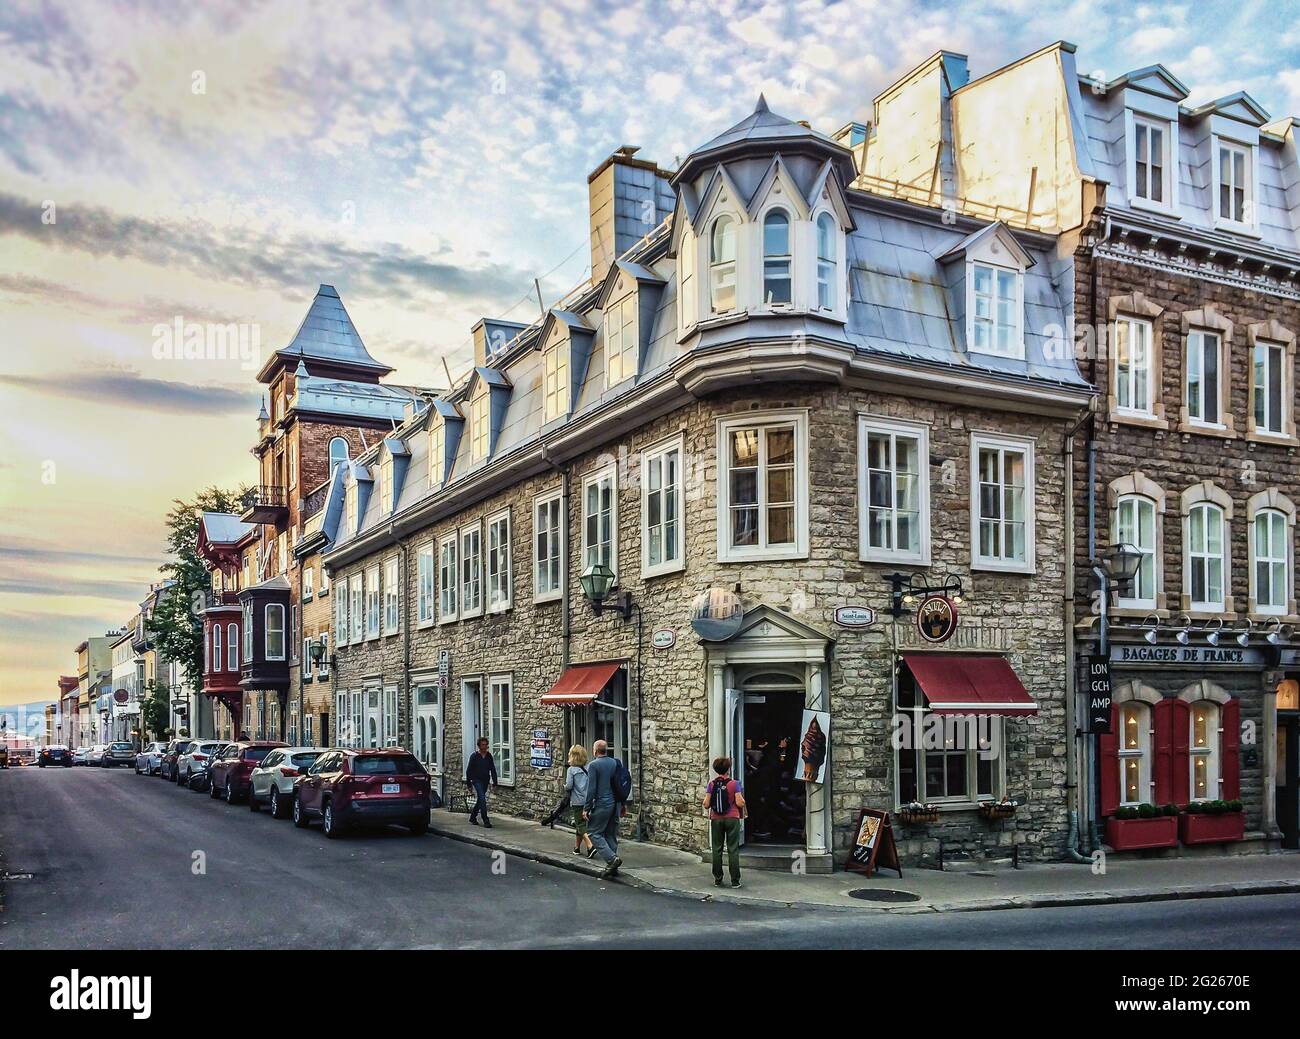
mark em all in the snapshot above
pixel 471 571
pixel 763 486
pixel 498 563
pixel 893 491
pixel 216 647
pixel 1134 384
pixel 600 519
pixel 1270 549
pixel 1203 375
pixel 248 630
pixel 1205 557
pixel 661 496
pixel 1002 496
pixel 1135 524
pixel 548 560
pixel 777 256
pixel 274 631
pixel 722 265
pixel 232 647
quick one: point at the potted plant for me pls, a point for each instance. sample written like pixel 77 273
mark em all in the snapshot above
pixel 1212 822
pixel 914 812
pixel 1137 827
pixel 1003 809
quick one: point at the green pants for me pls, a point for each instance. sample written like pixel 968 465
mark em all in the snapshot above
pixel 728 830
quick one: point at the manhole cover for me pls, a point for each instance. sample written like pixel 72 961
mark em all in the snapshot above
pixel 881 894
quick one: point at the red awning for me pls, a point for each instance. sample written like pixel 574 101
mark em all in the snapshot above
pixel 580 684
pixel 969 685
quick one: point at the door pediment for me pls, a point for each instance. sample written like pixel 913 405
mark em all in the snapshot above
pixel 767 633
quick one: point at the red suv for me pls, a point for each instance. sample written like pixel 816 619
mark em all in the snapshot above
pixel 230 773
pixel 348 788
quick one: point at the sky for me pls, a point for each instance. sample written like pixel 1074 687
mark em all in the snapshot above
pixel 213 163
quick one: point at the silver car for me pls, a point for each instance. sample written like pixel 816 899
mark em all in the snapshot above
pixel 95 755
pixel 195 759
pixel 149 761
pixel 272 780
pixel 118 753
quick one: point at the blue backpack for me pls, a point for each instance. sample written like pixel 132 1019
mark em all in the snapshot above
pixel 620 783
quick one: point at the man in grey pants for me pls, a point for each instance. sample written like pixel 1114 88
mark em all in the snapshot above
pixel 602 811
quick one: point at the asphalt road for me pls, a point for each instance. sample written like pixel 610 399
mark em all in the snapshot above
pixel 106 859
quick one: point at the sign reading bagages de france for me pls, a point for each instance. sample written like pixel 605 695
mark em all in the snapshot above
pixel 1099 699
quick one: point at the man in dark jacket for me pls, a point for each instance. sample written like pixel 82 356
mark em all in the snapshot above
pixel 603 810
pixel 478 772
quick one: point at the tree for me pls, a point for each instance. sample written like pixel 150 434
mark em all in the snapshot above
pixel 176 629
pixel 155 711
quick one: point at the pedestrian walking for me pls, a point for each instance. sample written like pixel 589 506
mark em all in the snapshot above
pixel 725 801
pixel 609 785
pixel 478 772
pixel 576 783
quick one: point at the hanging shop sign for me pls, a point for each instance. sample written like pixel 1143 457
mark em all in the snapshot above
pixel 855 616
pixel 121 695
pixel 873 844
pixel 1227 656
pixel 540 756
pixel 663 638
pixel 1098 694
pixel 936 618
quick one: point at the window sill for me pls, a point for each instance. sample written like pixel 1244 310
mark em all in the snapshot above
pixel 548 597
pixel 1001 354
pixel 1164 209
pixel 1133 418
pixel 1236 227
pixel 471 615
pixel 763 556
pixel 663 570
pixel 1189 427
pixel 992 566
pixel 495 611
pixel 447 620
pixel 894 558
pixel 1256 436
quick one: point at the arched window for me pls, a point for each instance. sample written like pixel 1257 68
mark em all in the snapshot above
pixel 1205 557
pixel 722 266
pixel 826 261
pixel 1203 749
pixel 1135 523
pixel 776 258
pixel 338 452
pixel 1134 752
pixel 1269 545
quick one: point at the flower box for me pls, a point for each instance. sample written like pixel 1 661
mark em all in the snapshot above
pixel 1211 829
pixel 917 818
pixel 1135 834
pixel 997 810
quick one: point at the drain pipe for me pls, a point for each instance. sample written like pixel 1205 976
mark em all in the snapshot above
pixel 1072 839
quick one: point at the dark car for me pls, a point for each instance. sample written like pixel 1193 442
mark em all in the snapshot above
pixel 4 756
pixel 230 774
pixel 55 756
pixel 347 788
pixel 174 751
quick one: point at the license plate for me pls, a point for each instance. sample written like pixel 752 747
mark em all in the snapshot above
pixel 391 788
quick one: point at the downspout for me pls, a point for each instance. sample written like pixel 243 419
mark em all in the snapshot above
pixel 566 630
pixel 1072 839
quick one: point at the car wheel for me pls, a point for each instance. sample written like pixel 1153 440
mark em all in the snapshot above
pixel 229 792
pixel 277 809
pixel 213 792
pixel 328 823
pixel 300 814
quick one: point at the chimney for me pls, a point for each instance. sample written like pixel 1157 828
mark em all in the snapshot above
pixel 629 198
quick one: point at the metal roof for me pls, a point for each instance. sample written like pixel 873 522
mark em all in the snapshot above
pixel 224 529
pixel 327 334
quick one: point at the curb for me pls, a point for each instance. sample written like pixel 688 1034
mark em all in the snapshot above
pixel 1047 901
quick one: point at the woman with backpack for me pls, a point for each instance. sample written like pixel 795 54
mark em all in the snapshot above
pixel 725 803
pixel 575 786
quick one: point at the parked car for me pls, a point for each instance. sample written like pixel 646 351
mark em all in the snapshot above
pixel 55 754
pixel 195 759
pixel 95 756
pixel 4 756
pixel 347 788
pixel 118 753
pixel 149 760
pixel 79 755
pixel 271 781
pixel 232 774
pixel 175 749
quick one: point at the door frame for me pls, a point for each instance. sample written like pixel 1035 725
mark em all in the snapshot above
pixel 471 718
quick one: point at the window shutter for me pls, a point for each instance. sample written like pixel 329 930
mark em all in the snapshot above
pixel 1108 747
pixel 1163 771
pixel 1230 749
pixel 1180 720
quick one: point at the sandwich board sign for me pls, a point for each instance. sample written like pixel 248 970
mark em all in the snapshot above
pixel 872 845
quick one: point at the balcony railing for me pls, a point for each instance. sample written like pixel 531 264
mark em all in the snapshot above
pixel 265 503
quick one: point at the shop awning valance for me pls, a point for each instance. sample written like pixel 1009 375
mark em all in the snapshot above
pixel 969 685
pixel 580 684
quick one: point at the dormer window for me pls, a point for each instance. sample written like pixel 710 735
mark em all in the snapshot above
pixel 386 484
pixel 478 421
pixel 827 233
pixel 995 310
pixel 722 266
pixel 437 455
pixel 620 341
pixel 1151 166
pixel 350 506
pixel 776 258
pixel 1233 200
pixel 556 364
pixel 338 452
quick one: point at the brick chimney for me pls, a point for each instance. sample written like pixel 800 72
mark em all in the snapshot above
pixel 628 198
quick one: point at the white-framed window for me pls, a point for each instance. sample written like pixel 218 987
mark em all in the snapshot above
pixel 500 592
pixel 294 709
pixel 248 715
pixel 778 257
pixel 306 658
pixel 1205 557
pixel 621 341
pixel 274 631
pixel 555 365
pixel 947 760
pixel 342 722
pixel 1134 384
pixel 1204 370
pixel 827 260
pixel 686 276
pixel 437 453
pixel 308 584
pixel 1135 523
pixel 248 630
pixel 1151 167
pixel 323 668
pixel 338 452
pixel 1234 184
pixel 356 592
pixel 548 546
pixel 232 647
pixel 308 733
pixel 350 518
pixel 293 628
pixel 341 615
pixel 448 578
pixel 893 491
pixel 386 500
pixel 600 519
pixel 216 647
pixel 1002 498
pixel 994 309
pixel 1134 739
pixel 424 595
pixel 763 486
pixel 390 716
pixel 324 582
pixel 373 602
pixel 392 597
pixel 1203 751
pixel 1268 381
pixel 479 426
pixel 426 722
pixel 661 509
pixel 471 571
pixel 722 265
pixel 1269 546
pixel 501 726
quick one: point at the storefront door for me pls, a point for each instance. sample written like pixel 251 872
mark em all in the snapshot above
pixel 770 716
pixel 428 731
pixel 1288 777
pixel 373 720
pixel 471 718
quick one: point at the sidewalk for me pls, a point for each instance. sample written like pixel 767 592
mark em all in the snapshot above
pixel 672 872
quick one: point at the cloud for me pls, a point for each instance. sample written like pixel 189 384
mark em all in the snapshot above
pixel 128 389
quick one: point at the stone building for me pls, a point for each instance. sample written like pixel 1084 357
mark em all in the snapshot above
pixel 778 394
pixel 1184 224
pixel 311 696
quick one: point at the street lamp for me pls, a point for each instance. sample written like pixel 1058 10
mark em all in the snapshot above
pixel 597 582
pixel 316 647
pixel 1121 562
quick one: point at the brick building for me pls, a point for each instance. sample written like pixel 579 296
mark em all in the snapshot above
pixel 771 396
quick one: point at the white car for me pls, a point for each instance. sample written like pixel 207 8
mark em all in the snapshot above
pixel 149 761
pixel 95 755
pixel 195 760
pixel 79 755
pixel 272 780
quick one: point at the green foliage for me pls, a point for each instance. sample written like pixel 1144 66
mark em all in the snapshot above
pixel 155 712
pixel 1146 811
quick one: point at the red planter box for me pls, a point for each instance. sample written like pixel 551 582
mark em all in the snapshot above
pixel 1211 829
pixel 1136 834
